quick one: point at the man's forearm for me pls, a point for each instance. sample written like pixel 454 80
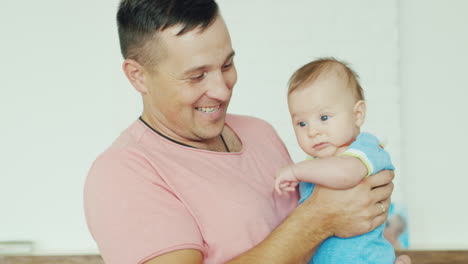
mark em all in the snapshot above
pixel 292 241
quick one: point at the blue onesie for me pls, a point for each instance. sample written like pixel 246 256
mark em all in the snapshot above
pixel 367 248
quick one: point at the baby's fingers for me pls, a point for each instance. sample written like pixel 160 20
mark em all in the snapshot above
pixel 277 186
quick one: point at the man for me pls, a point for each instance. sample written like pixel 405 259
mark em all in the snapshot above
pixel 188 183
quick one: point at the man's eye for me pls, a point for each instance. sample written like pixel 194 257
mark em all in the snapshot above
pixel 198 77
pixel 302 124
pixel 324 118
pixel 227 66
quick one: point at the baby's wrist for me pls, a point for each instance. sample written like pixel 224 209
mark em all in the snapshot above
pixel 292 172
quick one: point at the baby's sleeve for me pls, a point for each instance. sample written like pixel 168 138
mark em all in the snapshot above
pixel 367 148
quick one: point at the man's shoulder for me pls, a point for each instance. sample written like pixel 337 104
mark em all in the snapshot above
pixel 128 143
pixel 254 130
pixel 246 121
pixel 126 158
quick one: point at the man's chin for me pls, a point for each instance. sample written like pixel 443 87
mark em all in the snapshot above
pixel 211 131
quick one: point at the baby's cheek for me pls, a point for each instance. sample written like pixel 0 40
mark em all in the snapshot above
pixel 340 150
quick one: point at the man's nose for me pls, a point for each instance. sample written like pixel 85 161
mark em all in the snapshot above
pixel 218 88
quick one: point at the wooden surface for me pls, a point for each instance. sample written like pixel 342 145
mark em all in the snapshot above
pixel 436 257
pixel 417 257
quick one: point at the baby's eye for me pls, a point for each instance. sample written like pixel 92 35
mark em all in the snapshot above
pixel 324 118
pixel 302 124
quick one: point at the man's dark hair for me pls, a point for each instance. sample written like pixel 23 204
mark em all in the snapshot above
pixel 139 21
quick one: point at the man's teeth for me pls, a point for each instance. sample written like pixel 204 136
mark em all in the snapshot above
pixel 207 109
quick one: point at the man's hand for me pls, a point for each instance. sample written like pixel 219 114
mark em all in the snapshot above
pixel 286 180
pixel 355 211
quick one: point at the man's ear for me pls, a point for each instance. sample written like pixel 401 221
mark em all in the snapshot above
pixel 136 74
pixel 360 112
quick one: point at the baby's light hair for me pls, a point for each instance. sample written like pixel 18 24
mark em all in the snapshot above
pixel 311 71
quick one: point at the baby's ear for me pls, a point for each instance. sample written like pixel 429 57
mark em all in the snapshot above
pixel 360 113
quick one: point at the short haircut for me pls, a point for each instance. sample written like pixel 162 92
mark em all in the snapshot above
pixel 313 70
pixel 139 21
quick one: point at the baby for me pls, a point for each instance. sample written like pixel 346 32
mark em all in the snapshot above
pixel 327 108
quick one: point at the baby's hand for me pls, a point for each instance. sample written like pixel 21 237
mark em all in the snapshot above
pixel 286 180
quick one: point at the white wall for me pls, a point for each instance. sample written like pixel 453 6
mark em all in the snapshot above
pixel 64 98
pixel 434 42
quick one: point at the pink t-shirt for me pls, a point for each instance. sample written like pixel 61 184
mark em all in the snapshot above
pixel 146 195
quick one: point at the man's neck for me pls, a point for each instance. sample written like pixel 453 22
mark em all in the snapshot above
pixel 217 144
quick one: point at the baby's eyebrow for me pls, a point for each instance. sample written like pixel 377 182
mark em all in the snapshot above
pixel 326 109
pixel 294 115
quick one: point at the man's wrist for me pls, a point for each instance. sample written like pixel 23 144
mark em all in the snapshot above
pixel 321 219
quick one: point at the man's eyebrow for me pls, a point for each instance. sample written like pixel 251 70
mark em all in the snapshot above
pixel 230 55
pixel 204 67
pixel 195 69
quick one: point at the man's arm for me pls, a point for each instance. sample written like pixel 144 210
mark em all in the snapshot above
pixel 327 212
pixel 302 231
pixel 190 256
pixel 186 256
pixel 290 242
